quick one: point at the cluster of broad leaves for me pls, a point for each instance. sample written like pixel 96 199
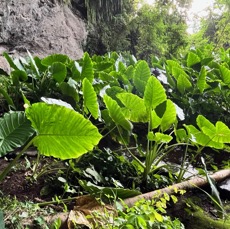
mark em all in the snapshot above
pixel 98 89
pixel 199 83
pixel 86 99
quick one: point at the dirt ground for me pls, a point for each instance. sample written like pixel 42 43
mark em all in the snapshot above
pixel 17 183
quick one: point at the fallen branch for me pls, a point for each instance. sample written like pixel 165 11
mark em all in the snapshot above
pixel 87 204
pixel 197 181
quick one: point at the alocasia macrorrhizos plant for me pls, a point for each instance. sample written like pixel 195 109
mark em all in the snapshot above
pixel 153 108
pixel 199 84
pixel 117 93
pixel 60 132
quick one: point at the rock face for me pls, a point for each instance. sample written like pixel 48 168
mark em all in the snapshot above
pixel 41 26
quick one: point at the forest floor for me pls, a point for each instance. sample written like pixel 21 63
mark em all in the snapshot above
pixel 20 184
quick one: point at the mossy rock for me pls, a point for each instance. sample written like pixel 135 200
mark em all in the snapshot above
pixel 194 217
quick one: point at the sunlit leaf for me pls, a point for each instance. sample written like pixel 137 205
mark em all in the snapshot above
pixel 135 105
pixel 172 64
pixel 154 93
pixel 61 132
pixel 141 76
pixel 115 112
pixel 87 68
pixel 221 134
pixel 183 83
pixel 177 71
pixel 181 135
pixel 192 59
pixel 201 81
pixel 159 137
pixel 155 120
pixel 202 122
pixel 158 216
pixel 200 138
pixel 169 116
pixel 90 98
pixel 225 74
pixel 49 60
pixel 141 222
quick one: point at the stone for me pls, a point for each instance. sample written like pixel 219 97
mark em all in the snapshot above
pixel 41 26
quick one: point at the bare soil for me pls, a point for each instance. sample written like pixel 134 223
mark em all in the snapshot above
pixel 17 183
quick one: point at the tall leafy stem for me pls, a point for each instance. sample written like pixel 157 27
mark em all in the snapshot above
pixel 153 109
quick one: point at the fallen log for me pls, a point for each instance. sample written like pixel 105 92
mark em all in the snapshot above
pixel 85 207
pixel 197 181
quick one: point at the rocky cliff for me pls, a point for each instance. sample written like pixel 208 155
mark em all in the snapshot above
pixel 42 27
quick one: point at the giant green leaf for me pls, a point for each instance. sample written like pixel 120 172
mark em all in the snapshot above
pixel 15 130
pixel 201 81
pixel 154 93
pixel 58 71
pixel 129 72
pixel 159 137
pixel 169 117
pixel 225 74
pixel 90 98
pixel 61 132
pixel 202 122
pixel 172 64
pixel 200 138
pixel 176 72
pixel 221 134
pixel 87 68
pixel 113 91
pixel 102 66
pixel 183 83
pixel 49 60
pixel 192 59
pixel 141 76
pixel 155 120
pixel 115 112
pixel 69 90
pixel 135 105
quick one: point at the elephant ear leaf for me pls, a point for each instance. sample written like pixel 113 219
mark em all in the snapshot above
pixel 169 116
pixel 15 130
pixel 154 93
pixel 141 76
pixel 87 68
pixel 61 132
pixel 135 105
pixel 90 98
pixel 115 112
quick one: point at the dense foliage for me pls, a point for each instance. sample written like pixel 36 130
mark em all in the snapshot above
pixel 102 104
pixel 114 122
